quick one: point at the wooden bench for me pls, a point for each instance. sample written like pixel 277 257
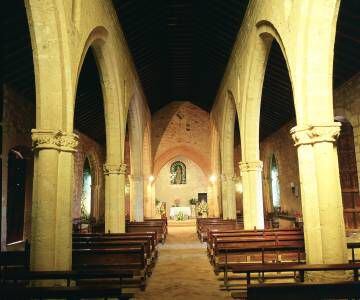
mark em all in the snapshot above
pixel 15 259
pixel 140 227
pixel 301 291
pixel 257 250
pixel 205 226
pixel 130 258
pixel 72 292
pixel 216 234
pixel 119 244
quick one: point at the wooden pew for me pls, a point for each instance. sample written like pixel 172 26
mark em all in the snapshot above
pixel 205 226
pixel 67 292
pixel 119 244
pixel 130 258
pixel 140 227
pixel 257 251
pixel 214 234
pixel 301 291
pixel 15 259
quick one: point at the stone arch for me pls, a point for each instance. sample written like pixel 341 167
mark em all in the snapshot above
pixel 97 41
pixel 183 150
pixel 265 33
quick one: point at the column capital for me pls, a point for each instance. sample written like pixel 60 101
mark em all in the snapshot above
pixel 54 139
pixel 114 169
pixel 247 166
pixel 228 177
pixel 317 133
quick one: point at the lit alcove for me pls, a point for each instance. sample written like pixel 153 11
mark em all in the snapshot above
pixel 275 184
pixel 86 192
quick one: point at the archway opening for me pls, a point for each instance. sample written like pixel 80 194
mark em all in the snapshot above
pixel 281 184
pixel 348 174
pixel 17 192
pixel 89 122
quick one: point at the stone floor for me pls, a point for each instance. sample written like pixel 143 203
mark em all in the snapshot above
pixel 183 270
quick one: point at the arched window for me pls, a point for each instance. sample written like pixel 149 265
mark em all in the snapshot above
pixel 86 192
pixel 178 173
pixel 275 184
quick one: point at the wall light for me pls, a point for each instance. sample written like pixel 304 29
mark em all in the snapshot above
pixel 151 178
pixel 213 178
pixel 238 187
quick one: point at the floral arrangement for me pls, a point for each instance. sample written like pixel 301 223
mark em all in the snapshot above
pixel 160 209
pixel 180 216
pixel 193 201
pixel 202 208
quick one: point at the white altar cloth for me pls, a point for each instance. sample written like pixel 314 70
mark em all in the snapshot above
pixel 184 209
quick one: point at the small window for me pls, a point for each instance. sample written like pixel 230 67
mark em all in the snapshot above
pixel 86 192
pixel 275 184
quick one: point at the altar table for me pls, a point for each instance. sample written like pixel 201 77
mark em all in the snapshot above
pixel 184 209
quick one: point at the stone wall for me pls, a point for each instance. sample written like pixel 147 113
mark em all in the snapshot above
pixel 181 128
pixel 95 153
pixel 18 120
pixel 282 146
pixel 347 104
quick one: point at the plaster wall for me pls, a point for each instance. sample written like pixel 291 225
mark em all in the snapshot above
pixel 196 182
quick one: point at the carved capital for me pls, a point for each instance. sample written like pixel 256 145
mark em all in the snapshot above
pixel 248 166
pixel 52 139
pixel 228 177
pixel 312 134
pixel 114 169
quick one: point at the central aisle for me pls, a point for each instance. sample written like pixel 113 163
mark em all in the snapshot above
pixel 183 270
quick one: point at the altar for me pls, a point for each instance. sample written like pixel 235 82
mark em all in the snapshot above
pixel 174 211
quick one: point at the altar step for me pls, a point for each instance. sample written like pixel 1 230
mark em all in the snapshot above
pixel 185 223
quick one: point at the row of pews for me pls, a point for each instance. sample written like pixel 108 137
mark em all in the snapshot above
pixel 256 255
pixel 103 265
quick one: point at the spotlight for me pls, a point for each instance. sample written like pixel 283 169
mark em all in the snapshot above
pixel 213 178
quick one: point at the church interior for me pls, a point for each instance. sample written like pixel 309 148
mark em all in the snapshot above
pixel 180 149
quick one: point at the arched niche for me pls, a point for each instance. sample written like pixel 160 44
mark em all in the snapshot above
pixel 19 192
pixel 348 174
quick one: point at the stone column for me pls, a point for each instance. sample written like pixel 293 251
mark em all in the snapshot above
pixel 228 197
pixel 253 208
pixel 51 240
pixel 137 198
pixel 115 197
pixel 322 208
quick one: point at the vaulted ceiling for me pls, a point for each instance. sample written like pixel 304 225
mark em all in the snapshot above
pixel 180 49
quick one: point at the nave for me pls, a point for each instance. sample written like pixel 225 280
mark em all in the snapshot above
pixel 183 270
pixel 120 116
